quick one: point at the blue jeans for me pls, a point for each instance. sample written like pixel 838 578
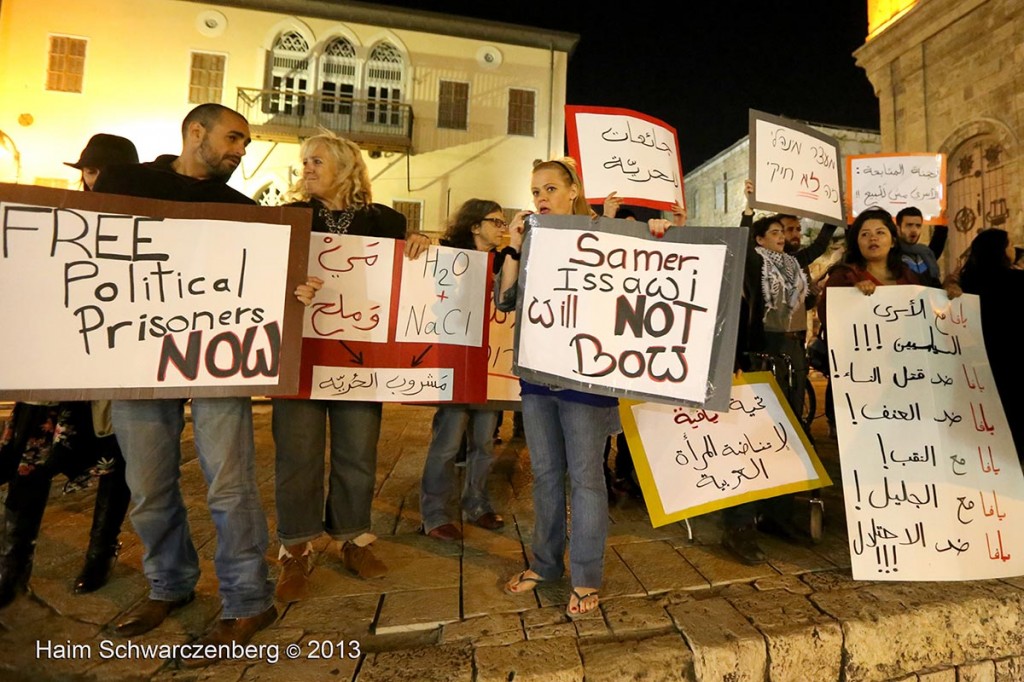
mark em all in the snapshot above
pixel 300 438
pixel 450 423
pixel 567 438
pixel 149 432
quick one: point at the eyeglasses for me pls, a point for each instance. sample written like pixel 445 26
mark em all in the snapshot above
pixel 498 222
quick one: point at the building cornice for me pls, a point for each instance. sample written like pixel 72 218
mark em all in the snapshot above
pixel 411 20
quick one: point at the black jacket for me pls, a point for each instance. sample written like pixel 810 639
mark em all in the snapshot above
pixel 158 180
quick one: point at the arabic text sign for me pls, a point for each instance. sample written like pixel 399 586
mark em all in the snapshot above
pixel 116 297
pixel 355 301
pixel 795 169
pixel 692 462
pixel 896 181
pixel 932 484
pixel 380 384
pixel 443 297
pixel 622 315
pixel 626 152
pixel 389 329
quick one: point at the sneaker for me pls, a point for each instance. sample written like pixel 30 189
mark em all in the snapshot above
pixel 296 565
pixel 361 561
pixel 742 544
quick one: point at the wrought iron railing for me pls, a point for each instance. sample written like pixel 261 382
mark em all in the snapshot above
pixel 285 113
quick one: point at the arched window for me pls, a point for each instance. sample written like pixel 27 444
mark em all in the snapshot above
pixel 385 78
pixel 288 74
pixel 338 78
pixel 977 191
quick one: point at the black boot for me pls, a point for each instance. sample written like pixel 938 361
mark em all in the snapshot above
pixel 112 497
pixel 23 512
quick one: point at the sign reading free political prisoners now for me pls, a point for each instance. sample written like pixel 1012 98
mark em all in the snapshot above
pixel 795 169
pixel 387 329
pixel 105 296
pixel 623 151
pixel 691 461
pixel 606 308
pixel 931 479
pixel 896 181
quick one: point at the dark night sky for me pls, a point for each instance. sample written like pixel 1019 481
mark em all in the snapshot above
pixel 704 70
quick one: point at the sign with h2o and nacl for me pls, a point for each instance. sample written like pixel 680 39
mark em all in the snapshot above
pixel 606 308
pixel 105 296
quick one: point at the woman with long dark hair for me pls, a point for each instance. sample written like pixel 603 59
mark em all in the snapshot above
pixel 478 224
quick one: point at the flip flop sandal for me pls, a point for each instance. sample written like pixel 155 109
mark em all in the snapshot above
pixel 519 580
pixel 579 603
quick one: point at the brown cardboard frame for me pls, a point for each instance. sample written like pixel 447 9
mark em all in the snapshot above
pixel 297 220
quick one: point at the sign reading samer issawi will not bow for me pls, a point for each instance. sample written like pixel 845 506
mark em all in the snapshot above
pixel 606 308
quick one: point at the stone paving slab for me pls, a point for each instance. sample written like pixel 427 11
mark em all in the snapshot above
pixel 659 659
pixel 659 567
pixel 418 610
pixel 725 646
pixel 555 659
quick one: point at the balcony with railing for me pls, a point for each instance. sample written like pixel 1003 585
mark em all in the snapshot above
pixel 289 116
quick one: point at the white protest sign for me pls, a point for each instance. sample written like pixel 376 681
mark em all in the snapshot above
pixel 897 181
pixel 612 313
pixel 931 480
pixel 355 301
pixel 379 384
pixel 502 383
pixel 443 297
pixel 795 169
pixel 112 303
pixel 692 462
pixel 626 152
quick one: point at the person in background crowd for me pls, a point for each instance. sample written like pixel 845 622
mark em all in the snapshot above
pixel 478 224
pixel 988 273
pixel 922 260
pixel 335 184
pixel 74 438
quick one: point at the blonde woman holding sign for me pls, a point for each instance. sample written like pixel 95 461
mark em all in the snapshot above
pixel 565 430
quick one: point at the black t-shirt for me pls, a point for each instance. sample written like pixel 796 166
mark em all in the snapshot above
pixel 158 180
pixel 375 220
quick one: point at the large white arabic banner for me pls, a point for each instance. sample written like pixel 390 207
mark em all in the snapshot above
pixel 795 169
pixel 691 461
pixel 897 181
pixel 623 151
pixel 932 484
pixel 604 307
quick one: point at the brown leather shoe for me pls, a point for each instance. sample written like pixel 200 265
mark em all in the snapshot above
pixel 149 614
pixel 447 533
pixel 490 521
pixel 226 631
pixel 296 565
pixel 361 561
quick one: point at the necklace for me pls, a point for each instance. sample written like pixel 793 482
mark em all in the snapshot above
pixel 337 221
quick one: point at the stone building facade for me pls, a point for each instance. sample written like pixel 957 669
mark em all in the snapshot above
pixel 949 76
pixel 714 190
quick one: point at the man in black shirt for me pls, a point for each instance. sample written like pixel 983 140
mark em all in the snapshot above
pixel 149 431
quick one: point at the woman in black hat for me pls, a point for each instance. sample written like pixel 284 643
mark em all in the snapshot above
pixel 41 440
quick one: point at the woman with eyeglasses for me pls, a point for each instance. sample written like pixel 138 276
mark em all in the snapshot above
pixel 480 225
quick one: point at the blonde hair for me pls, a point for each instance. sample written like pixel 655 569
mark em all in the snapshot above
pixel 566 166
pixel 351 187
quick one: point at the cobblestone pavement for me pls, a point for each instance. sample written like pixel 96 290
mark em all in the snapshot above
pixel 672 608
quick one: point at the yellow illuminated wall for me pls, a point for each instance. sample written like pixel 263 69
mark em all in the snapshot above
pixel 136 80
pixel 881 13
